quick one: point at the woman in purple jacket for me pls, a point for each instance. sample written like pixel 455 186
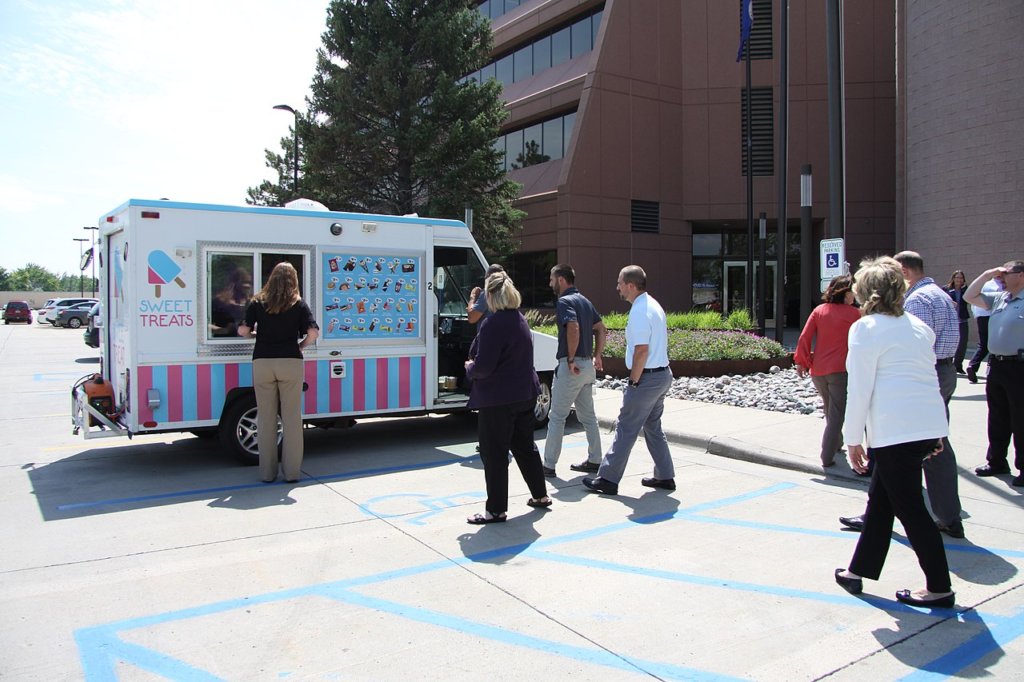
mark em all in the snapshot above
pixel 505 389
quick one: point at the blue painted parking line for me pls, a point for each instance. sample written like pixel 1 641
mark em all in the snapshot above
pixel 436 505
pixel 101 648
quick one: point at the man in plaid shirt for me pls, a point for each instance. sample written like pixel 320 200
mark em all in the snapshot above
pixel 929 303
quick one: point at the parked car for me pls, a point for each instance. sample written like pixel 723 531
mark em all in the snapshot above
pixel 17 311
pixel 92 334
pixel 72 316
pixel 53 307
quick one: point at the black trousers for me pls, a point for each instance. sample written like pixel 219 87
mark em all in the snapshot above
pixel 982 350
pixel 961 347
pixel 1004 391
pixel 505 428
pixel 896 491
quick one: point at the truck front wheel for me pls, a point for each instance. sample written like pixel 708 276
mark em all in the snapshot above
pixel 543 406
pixel 238 432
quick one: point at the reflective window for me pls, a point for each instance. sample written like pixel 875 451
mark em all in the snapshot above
pixel 553 147
pixel 523 63
pixel 542 54
pixel 503 70
pixel 514 149
pixel 569 121
pixel 489 71
pixel 229 289
pixel 581 38
pixel 533 146
pixel 560 47
pixel 499 146
pixel 595 25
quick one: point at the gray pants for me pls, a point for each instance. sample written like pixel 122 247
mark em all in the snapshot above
pixel 568 389
pixel 642 407
pixel 940 472
pixel 832 388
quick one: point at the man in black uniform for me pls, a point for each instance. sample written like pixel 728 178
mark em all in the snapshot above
pixel 1004 389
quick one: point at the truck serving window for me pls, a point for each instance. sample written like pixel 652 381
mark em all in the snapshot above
pixel 233 278
pixel 460 270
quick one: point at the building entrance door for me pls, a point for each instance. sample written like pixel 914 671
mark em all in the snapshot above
pixel 734 280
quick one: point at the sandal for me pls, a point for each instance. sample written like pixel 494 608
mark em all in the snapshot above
pixel 480 519
pixel 542 503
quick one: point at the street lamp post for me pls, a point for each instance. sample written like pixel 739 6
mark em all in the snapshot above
pixel 81 282
pixel 295 153
pixel 95 241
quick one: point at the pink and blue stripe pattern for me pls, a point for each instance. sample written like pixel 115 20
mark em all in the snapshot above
pixel 196 393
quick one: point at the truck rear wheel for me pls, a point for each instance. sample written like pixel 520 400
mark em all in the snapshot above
pixel 543 406
pixel 238 433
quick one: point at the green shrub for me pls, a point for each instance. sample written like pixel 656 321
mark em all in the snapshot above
pixel 704 345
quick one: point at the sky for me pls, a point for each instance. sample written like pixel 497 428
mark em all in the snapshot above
pixel 102 101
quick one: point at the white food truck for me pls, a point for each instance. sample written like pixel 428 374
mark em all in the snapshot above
pixel 389 294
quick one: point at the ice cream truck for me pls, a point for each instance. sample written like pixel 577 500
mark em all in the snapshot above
pixel 389 294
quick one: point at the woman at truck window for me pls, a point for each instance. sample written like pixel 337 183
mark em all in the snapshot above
pixel 282 325
pixel 229 305
pixel 505 390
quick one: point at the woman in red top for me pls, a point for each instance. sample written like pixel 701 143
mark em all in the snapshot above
pixel 829 327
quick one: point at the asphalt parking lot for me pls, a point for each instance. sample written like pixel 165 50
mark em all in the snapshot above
pixel 160 558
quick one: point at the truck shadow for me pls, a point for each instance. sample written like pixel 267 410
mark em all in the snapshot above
pixel 127 476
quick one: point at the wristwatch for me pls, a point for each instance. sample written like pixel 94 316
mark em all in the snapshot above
pixel 633 384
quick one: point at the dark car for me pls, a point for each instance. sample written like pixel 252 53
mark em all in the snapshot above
pixel 92 334
pixel 74 316
pixel 17 311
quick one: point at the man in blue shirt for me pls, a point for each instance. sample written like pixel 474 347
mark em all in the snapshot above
pixel 643 402
pixel 581 335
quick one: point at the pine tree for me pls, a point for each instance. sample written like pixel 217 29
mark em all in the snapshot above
pixel 392 125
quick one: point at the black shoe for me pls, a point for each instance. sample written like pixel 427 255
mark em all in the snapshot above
pixel 548 473
pixel 946 602
pixel 1018 481
pixel 953 530
pixel 588 467
pixel 599 485
pixel 972 375
pixel 854 522
pixel 990 470
pixel 665 483
pixel 851 585
pixel 960 369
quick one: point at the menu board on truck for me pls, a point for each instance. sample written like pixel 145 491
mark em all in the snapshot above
pixel 371 297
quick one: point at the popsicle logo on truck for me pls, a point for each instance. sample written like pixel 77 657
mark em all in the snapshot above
pixel 163 270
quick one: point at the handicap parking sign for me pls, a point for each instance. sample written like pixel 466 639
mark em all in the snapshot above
pixel 833 258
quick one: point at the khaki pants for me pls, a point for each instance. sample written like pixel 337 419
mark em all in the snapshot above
pixel 278 382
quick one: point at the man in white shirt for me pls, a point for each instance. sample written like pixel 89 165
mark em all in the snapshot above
pixel 644 399
pixel 992 286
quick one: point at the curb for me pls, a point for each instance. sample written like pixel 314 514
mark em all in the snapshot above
pixel 731 448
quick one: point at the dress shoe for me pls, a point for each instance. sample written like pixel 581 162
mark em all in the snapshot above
pixel 549 473
pixel 854 522
pixel 947 602
pixel 588 467
pixel 972 376
pixel 599 485
pixel 990 470
pixel 960 369
pixel 1018 481
pixel 953 530
pixel 851 585
pixel 665 483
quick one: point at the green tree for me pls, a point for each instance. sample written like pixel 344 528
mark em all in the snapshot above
pixel 34 277
pixel 5 280
pixel 393 128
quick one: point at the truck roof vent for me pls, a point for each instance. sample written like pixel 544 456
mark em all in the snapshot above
pixel 306 205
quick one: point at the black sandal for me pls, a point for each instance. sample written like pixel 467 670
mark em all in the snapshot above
pixel 480 519
pixel 539 504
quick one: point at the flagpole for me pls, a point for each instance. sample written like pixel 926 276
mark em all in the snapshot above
pixel 750 194
pixel 783 171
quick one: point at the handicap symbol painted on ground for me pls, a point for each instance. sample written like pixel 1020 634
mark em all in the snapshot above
pixel 436 505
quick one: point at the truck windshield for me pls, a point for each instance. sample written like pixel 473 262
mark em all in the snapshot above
pixel 457 271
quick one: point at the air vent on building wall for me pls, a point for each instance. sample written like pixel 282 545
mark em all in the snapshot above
pixel 645 216
pixel 763 127
pixel 760 42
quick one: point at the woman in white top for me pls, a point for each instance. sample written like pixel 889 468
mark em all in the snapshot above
pixel 893 393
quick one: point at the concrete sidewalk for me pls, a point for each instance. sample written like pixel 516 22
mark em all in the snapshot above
pixel 794 441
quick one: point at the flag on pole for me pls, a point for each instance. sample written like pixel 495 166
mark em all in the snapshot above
pixel 747 19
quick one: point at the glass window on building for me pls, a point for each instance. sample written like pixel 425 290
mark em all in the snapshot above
pixel 499 146
pixel 707 245
pixel 581 38
pixel 514 149
pixel 553 145
pixel 568 121
pixel 523 63
pixel 503 70
pixel 595 24
pixel 561 47
pixel 489 71
pixel 542 54
pixel 533 146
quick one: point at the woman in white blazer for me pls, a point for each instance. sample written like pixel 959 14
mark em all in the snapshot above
pixel 893 394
